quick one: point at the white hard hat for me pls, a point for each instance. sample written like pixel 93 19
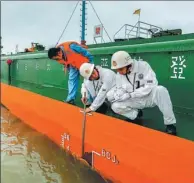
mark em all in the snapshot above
pixel 86 70
pixel 120 59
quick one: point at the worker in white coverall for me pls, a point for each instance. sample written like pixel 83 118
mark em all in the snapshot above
pixel 97 82
pixel 137 88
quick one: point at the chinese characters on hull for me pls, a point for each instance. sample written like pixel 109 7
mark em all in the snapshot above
pixel 178 65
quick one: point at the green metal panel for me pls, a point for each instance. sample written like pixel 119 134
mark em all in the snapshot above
pixel 52 73
pixel 24 74
pixel 21 68
pixel 4 72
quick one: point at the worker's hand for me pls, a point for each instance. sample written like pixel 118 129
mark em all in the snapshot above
pixel 122 98
pixel 88 110
pixel 119 92
pixel 125 97
pixel 84 100
pixel 127 88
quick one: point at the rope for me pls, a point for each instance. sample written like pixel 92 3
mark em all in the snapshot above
pixel 100 21
pixel 67 23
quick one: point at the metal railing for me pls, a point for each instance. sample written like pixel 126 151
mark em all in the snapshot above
pixel 140 29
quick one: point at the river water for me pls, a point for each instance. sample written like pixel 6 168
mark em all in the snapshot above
pixel 27 156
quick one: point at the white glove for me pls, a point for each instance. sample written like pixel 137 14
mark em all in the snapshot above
pixel 110 97
pixel 122 98
pixel 127 88
pixel 125 96
pixel 116 97
pixel 119 92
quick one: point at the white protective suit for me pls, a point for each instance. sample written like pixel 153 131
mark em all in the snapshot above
pixel 139 92
pixel 98 89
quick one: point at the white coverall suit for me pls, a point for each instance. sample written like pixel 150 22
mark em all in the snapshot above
pixel 139 90
pixel 97 89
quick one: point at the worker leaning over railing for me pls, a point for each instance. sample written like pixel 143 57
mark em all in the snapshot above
pixel 72 55
pixel 137 88
pixel 97 82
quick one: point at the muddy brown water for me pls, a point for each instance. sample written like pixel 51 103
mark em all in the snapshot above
pixel 27 156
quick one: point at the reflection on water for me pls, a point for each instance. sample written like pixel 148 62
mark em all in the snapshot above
pixel 29 157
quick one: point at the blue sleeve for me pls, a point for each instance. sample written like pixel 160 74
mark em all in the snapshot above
pixel 82 51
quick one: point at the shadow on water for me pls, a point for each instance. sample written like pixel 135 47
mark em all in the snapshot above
pixel 27 156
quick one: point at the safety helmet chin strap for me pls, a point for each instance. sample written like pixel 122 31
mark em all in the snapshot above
pixel 128 72
pixel 128 69
pixel 98 73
